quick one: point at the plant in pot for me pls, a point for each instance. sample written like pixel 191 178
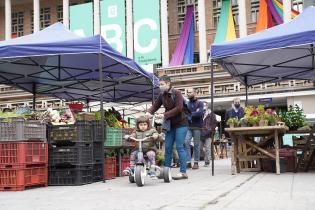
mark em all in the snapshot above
pixel 263 120
pixel 243 122
pixel 272 117
pixel 294 118
pixel 251 116
pixel 233 122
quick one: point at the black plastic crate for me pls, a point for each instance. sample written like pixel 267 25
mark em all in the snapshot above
pixel 98 172
pixel 78 175
pixel 77 154
pixel 81 131
pixel 98 152
pixel 97 133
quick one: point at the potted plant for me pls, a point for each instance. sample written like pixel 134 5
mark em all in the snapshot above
pixel 233 122
pixel 272 117
pixel 294 118
pixel 251 116
pixel 243 122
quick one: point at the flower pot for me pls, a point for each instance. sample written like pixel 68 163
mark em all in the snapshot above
pixel 263 123
pixel 272 123
pixel 231 125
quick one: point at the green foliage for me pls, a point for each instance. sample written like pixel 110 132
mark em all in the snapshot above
pixel 294 118
pixel 233 121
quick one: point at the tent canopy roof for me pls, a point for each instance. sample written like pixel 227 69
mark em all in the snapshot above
pixel 280 53
pixel 57 62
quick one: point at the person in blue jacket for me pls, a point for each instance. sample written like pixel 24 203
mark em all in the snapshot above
pixel 195 127
pixel 236 111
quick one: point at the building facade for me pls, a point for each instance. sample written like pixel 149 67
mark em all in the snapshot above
pixel 24 13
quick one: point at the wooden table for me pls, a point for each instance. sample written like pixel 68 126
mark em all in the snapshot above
pixel 245 135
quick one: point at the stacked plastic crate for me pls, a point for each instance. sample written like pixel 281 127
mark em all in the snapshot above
pixel 23 154
pixel 71 154
pixel 98 152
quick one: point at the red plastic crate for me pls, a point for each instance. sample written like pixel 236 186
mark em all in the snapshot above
pixel 110 167
pixel 18 154
pixel 125 163
pixel 20 179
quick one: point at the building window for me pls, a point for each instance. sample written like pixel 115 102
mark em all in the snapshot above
pixel 254 10
pixel 298 5
pixel 60 13
pixel 44 18
pixel 181 12
pixel 217 9
pixel 17 24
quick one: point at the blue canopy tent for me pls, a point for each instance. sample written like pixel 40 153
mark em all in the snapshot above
pixel 280 53
pixel 59 63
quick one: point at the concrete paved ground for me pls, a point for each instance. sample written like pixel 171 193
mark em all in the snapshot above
pixel 201 191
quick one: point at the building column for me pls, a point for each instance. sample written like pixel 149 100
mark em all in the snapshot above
pixel 65 12
pixel 286 11
pixel 129 28
pixel 97 17
pixel 164 33
pixel 8 20
pixel 36 16
pixel 242 18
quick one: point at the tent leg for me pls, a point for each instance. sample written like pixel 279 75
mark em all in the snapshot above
pixel 101 106
pixel 246 91
pixel 87 105
pixel 152 92
pixel 34 96
pixel 212 110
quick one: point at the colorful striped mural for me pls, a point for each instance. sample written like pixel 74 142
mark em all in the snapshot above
pixel 270 14
pixel 184 51
pixel 225 29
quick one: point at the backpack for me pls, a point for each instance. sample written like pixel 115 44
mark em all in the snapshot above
pixel 187 111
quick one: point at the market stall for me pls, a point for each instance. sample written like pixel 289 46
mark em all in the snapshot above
pixel 58 63
pixel 280 53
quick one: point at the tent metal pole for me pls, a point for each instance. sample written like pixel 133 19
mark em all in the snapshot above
pixel 212 110
pixel 87 105
pixel 101 106
pixel 59 67
pixel 34 96
pixel 246 91
pixel 312 53
pixel 152 92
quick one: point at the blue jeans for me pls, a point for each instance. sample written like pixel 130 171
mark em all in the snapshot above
pixel 176 135
pixel 196 133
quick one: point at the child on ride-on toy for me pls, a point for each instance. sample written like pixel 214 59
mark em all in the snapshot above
pixel 143 129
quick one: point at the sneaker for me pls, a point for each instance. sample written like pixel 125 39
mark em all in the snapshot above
pixel 180 176
pixel 188 165
pixel 195 166
pixel 151 174
pixel 207 164
pixel 128 171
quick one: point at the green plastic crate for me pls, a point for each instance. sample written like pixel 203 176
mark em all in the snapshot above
pixel 114 137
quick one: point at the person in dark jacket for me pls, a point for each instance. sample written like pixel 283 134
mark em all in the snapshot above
pixel 236 111
pixel 195 126
pixel 209 125
pixel 172 100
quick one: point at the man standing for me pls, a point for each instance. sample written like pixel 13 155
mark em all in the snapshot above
pixel 195 127
pixel 236 111
pixel 175 123
pixel 209 126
